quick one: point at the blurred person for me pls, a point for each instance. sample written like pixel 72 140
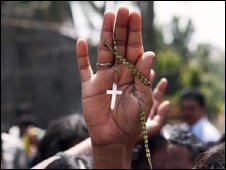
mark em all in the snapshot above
pixel 85 147
pixel 192 105
pixel 31 140
pixel 26 130
pixel 221 140
pixel 174 148
pixel 60 135
pixel 213 157
pixel 13 156
pixel 24 118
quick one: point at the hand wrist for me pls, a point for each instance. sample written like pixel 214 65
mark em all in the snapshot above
pixel 117 156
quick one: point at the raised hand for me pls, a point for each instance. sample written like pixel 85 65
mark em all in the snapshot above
pixel 121 125
pixel 159 109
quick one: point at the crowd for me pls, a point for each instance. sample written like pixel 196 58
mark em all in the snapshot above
pixel 103 137
pixel 67 144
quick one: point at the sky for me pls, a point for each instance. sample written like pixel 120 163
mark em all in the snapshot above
pixel 208 18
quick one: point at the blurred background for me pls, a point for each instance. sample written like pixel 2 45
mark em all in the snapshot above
pixel 38 68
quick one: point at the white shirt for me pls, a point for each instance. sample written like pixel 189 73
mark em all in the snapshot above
pixel 205 131
pixel 13 154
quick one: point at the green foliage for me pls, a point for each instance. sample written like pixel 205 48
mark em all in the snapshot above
pixel 184 68
pixel 168 65
pixel 191 76
pixel 213 89
pixel 181 37
pixel 201 55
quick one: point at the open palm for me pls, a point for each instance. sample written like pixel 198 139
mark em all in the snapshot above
pixel 121 125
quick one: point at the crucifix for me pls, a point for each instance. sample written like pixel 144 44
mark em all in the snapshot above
pixel 113 92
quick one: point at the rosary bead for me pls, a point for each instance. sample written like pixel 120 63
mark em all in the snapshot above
pixel 142 119
pixel 148 155
pixel 146 82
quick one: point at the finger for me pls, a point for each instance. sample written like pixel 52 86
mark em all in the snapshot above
pixel 134 44
pixel 121 30
pixel 154 126
pixel 83 60
pixel 163 109
pixel 152 75
pixel 144 92
pixel 143 66
pixel 160 89
pixel 158 95
pixel 104 53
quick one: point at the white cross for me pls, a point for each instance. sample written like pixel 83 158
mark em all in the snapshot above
pixel 113 92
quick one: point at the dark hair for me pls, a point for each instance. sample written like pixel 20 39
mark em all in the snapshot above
pixel 194 94
pixel 179 134
pixel 176 134
pixel 155 143
pixel 70 162
pixel 213 158
pixel 63 134
pixel 222 139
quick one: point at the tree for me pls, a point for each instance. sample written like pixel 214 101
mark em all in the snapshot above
pixel 147 13
pixel 168 65
pixel 181 37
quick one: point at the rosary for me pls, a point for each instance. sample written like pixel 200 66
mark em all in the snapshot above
pixel 115 92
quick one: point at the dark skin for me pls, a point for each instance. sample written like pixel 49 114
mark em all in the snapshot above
pixel 154 125
pixel 114 133
pixel 191 110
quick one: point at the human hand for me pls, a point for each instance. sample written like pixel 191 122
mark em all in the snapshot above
pixel 159 110
pixel 121 125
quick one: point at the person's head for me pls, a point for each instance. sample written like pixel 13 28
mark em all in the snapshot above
pixel 174 148
pixel 213 158
pixel 25 117
pixel 192 105
pixel 63 134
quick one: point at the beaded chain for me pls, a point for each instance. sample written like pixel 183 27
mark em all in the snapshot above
pixel 127 64
pixel 146 82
